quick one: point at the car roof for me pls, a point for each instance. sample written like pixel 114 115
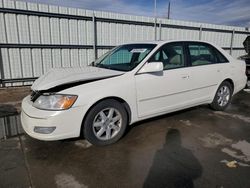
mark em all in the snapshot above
pixel 160 42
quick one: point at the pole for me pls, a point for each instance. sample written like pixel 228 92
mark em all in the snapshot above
pixel 94 36
pixel 155 20
pixel 160 30
pixel 169 9
pixel 232 42
pixel 200 33
pixel 1 69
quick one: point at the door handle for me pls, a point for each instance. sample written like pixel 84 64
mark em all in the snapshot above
pixel 185 77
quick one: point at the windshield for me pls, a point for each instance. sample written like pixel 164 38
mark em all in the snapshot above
pixel 125 57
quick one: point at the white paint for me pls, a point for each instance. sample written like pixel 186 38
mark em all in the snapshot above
pixel 64 180
pixel 234 154
pixel 83 144
pixel 213 140
pixel 237 116
pixel 244 147
pixel 186 122
pixel 243 164
pixel 239 163
pixel 240 150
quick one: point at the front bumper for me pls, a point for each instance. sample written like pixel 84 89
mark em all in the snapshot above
pixel 67 123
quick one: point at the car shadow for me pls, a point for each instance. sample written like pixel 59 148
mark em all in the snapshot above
pixel 173 166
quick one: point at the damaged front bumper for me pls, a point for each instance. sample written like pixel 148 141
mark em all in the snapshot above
pixel 51 125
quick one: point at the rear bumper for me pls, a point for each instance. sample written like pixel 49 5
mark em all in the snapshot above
pixel 240 84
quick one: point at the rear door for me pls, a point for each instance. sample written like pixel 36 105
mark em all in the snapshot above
pixel 205 70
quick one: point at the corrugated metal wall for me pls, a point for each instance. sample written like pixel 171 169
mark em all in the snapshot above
pixel 36 37
pixel 10 126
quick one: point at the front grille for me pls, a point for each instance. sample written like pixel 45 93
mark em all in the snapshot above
pixel 247 61
pixel 34 95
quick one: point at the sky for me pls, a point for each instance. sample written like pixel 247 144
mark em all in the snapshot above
pixel 226 12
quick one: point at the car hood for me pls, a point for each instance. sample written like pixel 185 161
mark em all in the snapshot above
pixel 61 76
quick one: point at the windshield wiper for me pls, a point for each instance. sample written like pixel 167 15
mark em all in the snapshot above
pixel 102 66
pixel 109 67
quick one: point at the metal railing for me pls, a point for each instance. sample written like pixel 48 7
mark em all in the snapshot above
pixel 10 126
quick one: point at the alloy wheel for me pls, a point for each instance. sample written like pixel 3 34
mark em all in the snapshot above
pixel 223 96
pixel 107 123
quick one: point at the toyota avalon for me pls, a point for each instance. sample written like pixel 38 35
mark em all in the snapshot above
pixel 130 83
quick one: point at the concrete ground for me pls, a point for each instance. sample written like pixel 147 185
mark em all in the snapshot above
pixel 190 148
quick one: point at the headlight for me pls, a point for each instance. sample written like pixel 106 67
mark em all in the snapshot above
pixel 55 102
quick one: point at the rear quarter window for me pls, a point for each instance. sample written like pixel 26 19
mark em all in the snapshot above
pixel 220 58
pixel 204 54
pixel 201 54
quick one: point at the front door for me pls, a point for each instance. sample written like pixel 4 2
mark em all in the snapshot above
pixel 165 91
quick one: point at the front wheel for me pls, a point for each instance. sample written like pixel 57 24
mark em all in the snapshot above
pixel 105 123
pixel 222 97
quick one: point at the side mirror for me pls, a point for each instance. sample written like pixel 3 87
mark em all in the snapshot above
pixel 152 67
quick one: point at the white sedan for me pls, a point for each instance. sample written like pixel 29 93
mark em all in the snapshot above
pixel 130 83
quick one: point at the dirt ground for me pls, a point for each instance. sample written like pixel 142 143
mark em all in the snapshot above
pixel 13 96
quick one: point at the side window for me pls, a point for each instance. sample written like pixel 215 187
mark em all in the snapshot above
pixel 220 57
pixel 171 55
pixel 201 54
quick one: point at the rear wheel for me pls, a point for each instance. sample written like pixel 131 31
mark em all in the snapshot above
pixel 105 123
pixel 222 97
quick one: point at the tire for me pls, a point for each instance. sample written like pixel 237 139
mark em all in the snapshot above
pixel 105 123
pixel 223 96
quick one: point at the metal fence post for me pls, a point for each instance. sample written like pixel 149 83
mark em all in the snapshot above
pixel 155 28
pixel 232 42
pixel 200 33
pixel 160 30
pixel 94 36
pixel 155 20
pixel 1 69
